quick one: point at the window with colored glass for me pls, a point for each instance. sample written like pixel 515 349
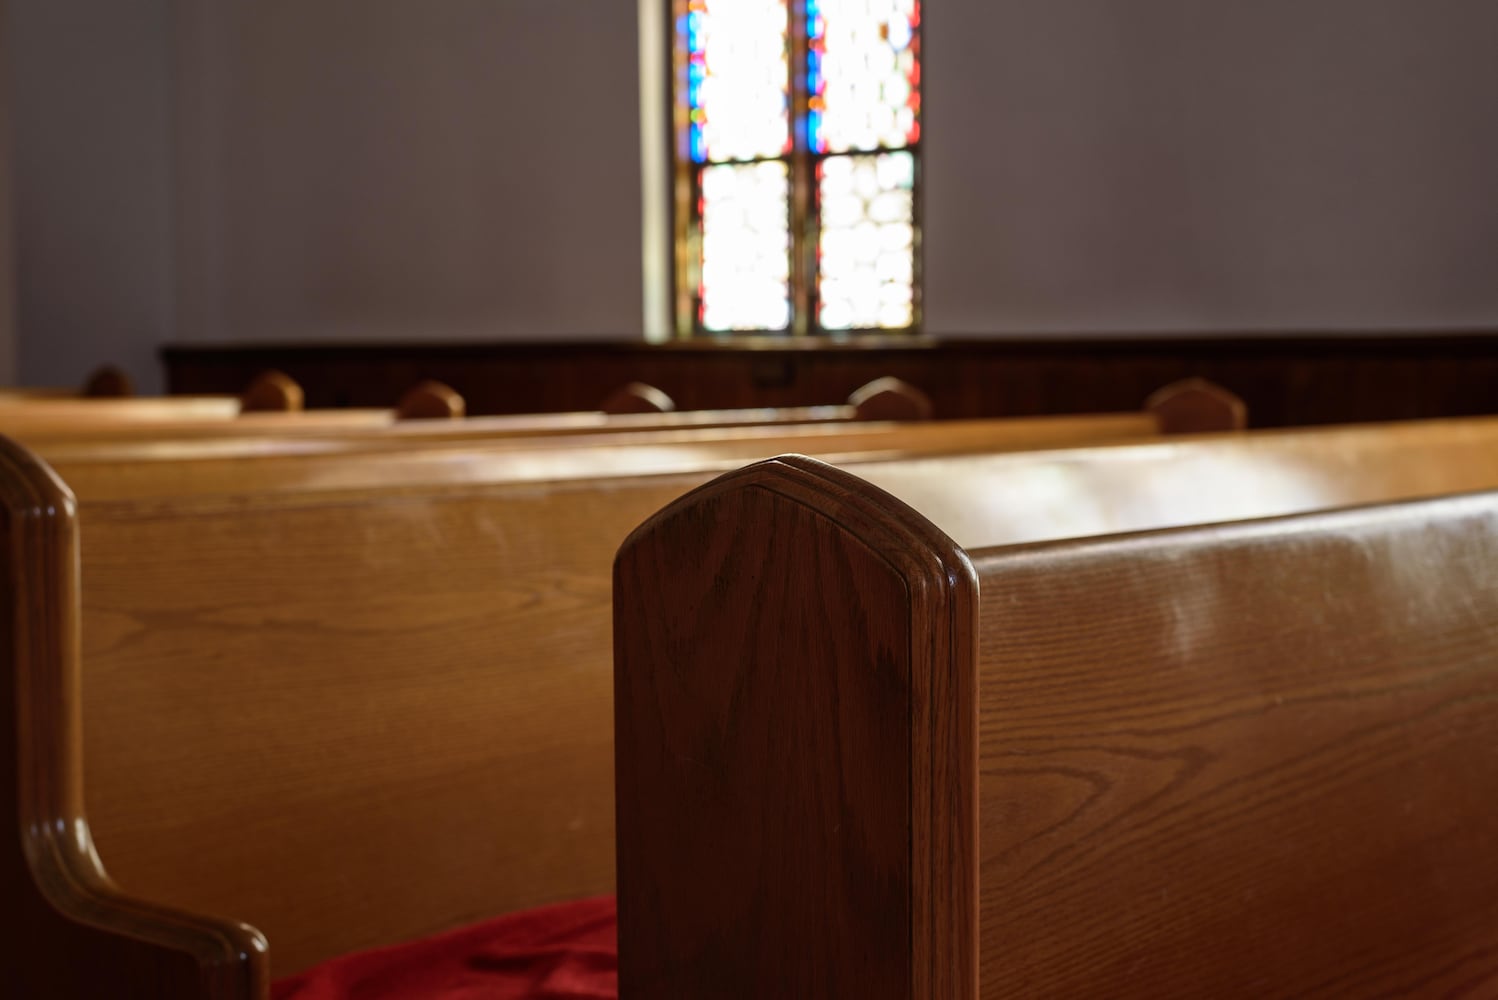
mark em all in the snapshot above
pixel 797 166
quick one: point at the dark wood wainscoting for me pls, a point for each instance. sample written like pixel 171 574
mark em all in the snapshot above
pixel 1286 380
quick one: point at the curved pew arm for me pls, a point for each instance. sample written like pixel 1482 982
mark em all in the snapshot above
pixel 847 836
pixel 68 932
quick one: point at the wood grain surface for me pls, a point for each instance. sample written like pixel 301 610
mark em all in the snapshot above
pixel 883 400
pixel 154 468
pixel 66 930
pixel 1180 734
pixel 238 645
pixel 1250 761
pixel 789 745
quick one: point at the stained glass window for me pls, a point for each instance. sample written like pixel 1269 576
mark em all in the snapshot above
pixel 797 135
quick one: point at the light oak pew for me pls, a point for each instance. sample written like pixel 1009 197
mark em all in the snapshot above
pixel 235 648
pixel 1183 407
pixel 107 381
pixel 412 423
pixel 220 635
pixel 857 759
pixel 207 467
pixel 270 404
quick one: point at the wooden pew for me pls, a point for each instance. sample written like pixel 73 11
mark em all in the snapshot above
pixel 413 420
pixel 270 402
pixel 858 759
pixel 171 468
pixel 107 381
pixel 199 614
pixel 353 716
pixel 1209 408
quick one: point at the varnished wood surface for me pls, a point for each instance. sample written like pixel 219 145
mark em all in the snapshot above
pixel 352 719
pixel 1357 642
pixel 425 411
pixel 986 500
pixel 236 647
pixel 1264 767
pixel 66 931
pixel 168 469
pixel 470 618
pixel 841 857
pixel 59 412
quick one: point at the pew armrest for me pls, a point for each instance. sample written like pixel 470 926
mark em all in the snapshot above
pixel 66 931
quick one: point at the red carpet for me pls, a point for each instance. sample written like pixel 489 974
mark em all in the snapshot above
pixel 565 952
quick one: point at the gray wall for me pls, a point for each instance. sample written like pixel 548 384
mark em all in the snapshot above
pixel 92 169
pixel 448 169
pixel 1098 166
pixel 284 170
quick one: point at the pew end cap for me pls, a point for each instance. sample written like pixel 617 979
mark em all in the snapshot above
pixel 890 398
pixel 1196 406
pixel 431 400
pixel 637 397
pixel 718 604
pixel 273 392
pixel 109 382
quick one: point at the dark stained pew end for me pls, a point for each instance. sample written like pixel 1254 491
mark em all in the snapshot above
pixel 637 397
pixel 1196 406
pixel 273 392
pixel 109 382
pixel 431 400
pixel 890 399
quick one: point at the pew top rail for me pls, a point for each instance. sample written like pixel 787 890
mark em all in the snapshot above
pixel 1219 759
pixel 1091 462
pixel 1191 406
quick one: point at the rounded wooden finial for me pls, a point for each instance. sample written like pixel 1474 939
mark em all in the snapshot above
pixel 109 382
pixel 1196 406
pixel 637 397
pixel 431 400
pixel 890 398
pixel 273 392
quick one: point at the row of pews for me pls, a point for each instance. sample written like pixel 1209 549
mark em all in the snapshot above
pixel 1136 704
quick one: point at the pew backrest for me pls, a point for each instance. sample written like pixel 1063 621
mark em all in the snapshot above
pixel 236 647
pixel 858 759
pixel 883 402
pixel 218 465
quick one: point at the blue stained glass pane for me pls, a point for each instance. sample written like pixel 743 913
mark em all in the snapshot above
pixel 738 78
pixel 867 86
